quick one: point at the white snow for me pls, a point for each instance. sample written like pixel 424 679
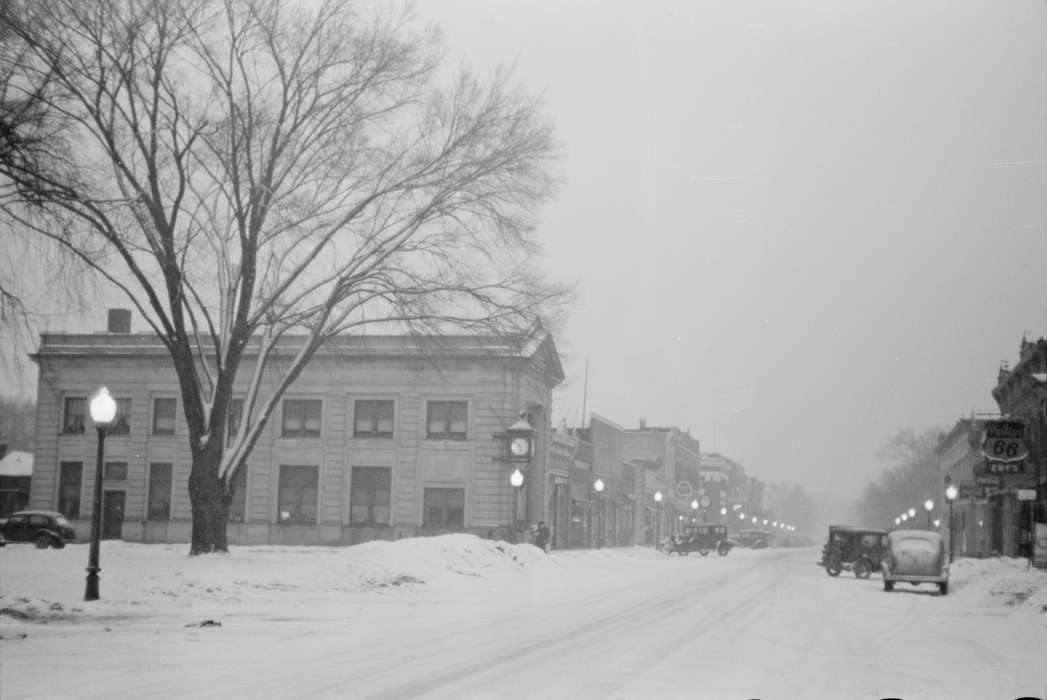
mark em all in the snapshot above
pixel 457 616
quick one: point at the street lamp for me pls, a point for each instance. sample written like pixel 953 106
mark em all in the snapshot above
pixel 912 512
pixel 657 518
pixel 897 521
pixel 516 479
pixel 905 517
pixel 694 511
pixel 598 486
pixel 928 506
pixel 950 495
pixel 103 410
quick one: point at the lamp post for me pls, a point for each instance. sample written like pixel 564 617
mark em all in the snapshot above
pixel 598 487
pixel 950 495
pixel 912 512
pixel 103 410
pixel 657 518
pixel 516 479
pixel 928 506
pixel 694 511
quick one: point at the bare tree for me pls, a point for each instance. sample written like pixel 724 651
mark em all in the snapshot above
pixel 255 172
pixel 910 477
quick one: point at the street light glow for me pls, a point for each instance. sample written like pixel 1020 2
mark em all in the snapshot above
pixel 912 512
pixel 657 496
pixel 929 505
pixel 103 407
pixel 516 478
pixel 951 492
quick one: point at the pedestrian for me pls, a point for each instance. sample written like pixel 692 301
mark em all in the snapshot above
pixel 541 537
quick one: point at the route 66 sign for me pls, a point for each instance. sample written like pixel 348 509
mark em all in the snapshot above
pixel 1004 441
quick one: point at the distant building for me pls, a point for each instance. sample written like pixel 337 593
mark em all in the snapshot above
pixel 959 456
pixel 380 437
pixel 1021 393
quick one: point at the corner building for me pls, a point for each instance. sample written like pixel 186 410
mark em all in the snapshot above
pixel 380 437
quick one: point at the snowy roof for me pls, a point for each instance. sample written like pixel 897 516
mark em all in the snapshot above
pixel 17 464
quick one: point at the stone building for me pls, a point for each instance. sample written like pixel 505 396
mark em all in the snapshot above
pixel 959 458
pixel 1021 393
pixel 379 437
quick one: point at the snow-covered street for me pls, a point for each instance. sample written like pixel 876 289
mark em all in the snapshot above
pixel 461 617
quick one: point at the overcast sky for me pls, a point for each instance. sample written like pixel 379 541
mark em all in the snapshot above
pixel 797 227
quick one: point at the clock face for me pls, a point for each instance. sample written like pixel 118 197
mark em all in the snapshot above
pixel 519 447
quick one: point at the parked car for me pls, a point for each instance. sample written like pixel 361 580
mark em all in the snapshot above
pixel 850 548
pixel 44 528
pixel 757 539
pixel 699 538
pixel 915 557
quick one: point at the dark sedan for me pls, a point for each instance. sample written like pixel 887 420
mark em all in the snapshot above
pixel 44 528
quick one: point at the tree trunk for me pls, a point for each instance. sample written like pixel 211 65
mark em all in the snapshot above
pixel 210 503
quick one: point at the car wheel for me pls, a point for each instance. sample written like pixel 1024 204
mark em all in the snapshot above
pixel 42 541
pixel 704 552
pixel 943 587
pixel 888 586
pixel 862 569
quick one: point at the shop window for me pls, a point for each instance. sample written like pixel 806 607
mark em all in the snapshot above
pixel 444 508
pixel 298 494
pixel 159 491
pixel 70 478
pixel 371 489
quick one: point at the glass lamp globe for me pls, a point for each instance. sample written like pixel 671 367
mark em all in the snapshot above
pixel 103 407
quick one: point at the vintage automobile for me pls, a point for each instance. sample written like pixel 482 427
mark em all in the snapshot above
pixel 915 557
pixel 43 528
pixel 856 549
pixel 699 538
pixel 754 538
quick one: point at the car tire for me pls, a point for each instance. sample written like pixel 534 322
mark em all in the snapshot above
pixel 704 552
pixel 42 541
pixel 888 586
pixel 862 569
pixel 943 587
pixel 833 566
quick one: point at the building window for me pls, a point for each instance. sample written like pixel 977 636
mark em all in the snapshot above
pixel 236 412
pixel 164 416
pixel 446 420
pixel 373 419
pixel 238 506
pixel 159 491
pixel 69 480
pixel 301 417
pixel 116 471
pixel 75 415
pixel 370 496
pixel 121 424
pixel 298 493
pixel 444 508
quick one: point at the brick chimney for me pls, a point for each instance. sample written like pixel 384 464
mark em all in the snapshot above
pixel 119 321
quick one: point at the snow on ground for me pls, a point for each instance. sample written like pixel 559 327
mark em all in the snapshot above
pixel 156 601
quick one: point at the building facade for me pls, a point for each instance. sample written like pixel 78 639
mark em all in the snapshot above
pixel 1021 394
pixel 380 437
pixel 973 531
